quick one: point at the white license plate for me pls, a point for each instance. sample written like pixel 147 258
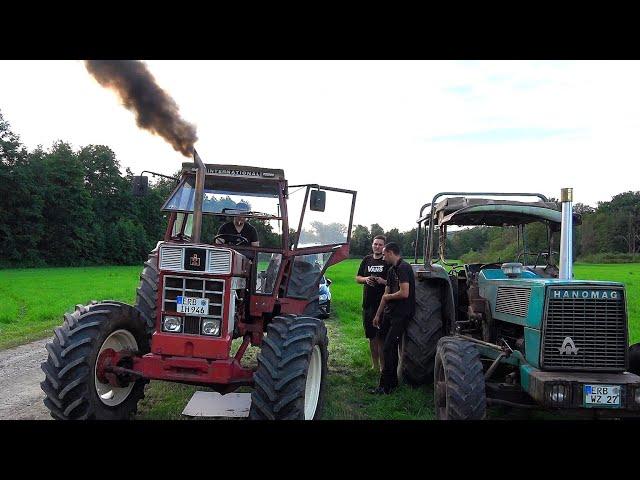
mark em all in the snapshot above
pixel 602 395
pixel 192 305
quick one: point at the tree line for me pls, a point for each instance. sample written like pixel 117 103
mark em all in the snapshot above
pixel 66 207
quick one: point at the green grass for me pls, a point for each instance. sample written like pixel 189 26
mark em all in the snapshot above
pixel 34 300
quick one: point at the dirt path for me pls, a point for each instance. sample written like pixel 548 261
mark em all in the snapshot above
pixel 20 377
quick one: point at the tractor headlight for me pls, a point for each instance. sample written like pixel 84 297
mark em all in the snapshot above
pixel 637 396
pixel 558 394
pixel 211 326
pixel 172 324
pixel 323 297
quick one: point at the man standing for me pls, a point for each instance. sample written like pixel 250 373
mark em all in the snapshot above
pixel 373 274
pixel 398 305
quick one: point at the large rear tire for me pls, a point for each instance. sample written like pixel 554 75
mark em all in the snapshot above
pixel 292 368
pixel 459 392
pixel 147 292
pixel 420 339
pixel 71 386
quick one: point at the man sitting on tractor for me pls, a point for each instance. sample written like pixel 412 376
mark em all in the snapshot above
pixel 239 231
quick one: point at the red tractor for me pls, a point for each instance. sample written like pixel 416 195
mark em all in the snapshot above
pixel 196 295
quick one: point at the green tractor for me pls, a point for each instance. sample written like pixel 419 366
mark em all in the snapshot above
pixel 522 333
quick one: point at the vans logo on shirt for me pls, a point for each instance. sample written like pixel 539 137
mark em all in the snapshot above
pixel 375 268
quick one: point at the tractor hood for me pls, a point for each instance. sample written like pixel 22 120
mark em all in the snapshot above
pixel 529 278
pixel 480 211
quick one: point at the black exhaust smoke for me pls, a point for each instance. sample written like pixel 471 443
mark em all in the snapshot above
pixel 155 110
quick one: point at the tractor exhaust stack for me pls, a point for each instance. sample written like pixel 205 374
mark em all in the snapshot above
pixel 566 235
pixel 197 203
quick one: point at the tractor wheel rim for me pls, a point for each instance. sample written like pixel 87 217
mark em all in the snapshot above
pixel 312 386
pixel 107 393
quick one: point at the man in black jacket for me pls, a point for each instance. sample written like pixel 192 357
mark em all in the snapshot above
pixel 396 308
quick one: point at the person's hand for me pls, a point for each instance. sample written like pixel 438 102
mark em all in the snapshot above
pixel 376 321
pixel 381 281
pixel 371 281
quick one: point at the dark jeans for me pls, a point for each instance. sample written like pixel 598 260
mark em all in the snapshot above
pixel 392 329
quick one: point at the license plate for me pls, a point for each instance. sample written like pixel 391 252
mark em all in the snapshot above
pixel 602 396
pixel 192 305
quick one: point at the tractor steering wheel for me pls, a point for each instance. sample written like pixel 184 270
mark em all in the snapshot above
pixel 231 239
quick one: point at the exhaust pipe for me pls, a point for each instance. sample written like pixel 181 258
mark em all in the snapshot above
pixel 566 235
pixel 199 195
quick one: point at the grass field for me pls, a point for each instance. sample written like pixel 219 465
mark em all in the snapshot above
pixel 34 300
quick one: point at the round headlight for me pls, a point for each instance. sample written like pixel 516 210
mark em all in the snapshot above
pixel 172 324
pixel 211 326
pixel 558 396
pixel 323 297
pixel 637 395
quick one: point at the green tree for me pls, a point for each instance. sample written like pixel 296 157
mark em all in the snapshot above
pixel 67 237
pixel 361 240
pixel 20 200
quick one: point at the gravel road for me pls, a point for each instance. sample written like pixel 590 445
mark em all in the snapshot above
pixel 20 377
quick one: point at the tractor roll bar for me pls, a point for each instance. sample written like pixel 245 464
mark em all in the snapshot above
pixel 419 222
pixel 428 251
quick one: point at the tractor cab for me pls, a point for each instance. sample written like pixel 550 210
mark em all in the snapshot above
pixel 533 258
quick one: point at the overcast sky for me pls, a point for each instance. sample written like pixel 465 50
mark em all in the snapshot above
pixel 396 131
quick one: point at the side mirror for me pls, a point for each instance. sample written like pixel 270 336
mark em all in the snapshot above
pixel 140 186
pixel 317 201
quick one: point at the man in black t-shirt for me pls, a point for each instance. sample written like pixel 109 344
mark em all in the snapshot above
pixel 238 231
pixel 396 309
pixel 372 274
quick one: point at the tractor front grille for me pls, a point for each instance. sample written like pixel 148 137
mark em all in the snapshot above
pixel 175 286
pixel 585 328
pixel 215 261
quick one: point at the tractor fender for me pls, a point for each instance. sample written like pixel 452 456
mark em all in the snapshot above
pixel 436 275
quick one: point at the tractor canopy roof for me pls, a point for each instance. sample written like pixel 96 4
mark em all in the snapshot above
pixel 484 211
pixel 227 188
pixel 237 172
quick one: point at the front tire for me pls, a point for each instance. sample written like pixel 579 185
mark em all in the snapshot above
pixel 72 389
pixel 147 292
pixel 459 392
pixel 420 339
pixel 290 380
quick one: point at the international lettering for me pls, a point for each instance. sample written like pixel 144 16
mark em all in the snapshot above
pixel 237 173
